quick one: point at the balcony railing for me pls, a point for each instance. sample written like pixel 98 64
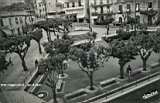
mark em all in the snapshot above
pixel 100 5
pixel 102 14
pixel 149 12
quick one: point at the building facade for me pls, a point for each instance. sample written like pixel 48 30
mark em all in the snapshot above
pixel 40 9
pixel 49 8
pixel 15 20
pixel 146 11
pixel 75 10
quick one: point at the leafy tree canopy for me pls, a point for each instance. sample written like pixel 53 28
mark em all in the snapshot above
pixel 3 62
pixel 124 51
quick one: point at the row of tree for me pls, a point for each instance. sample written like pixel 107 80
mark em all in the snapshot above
pixel 20 44
pixel 90 56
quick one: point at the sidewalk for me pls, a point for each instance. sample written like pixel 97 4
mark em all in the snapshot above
pixel 145 78
pixel 127 90
pixel 130 86
pixel 15 74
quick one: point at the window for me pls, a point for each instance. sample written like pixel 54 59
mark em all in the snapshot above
pixel 108 7
pixel 102 10
pixel 44 9
pixel 1 22
pixel 128 6
pixel 21 21
pixel 73 4
pixel 39 4
pixel 79 3
pixel 94 2
pixel 67 4
pixel 19 32
pixel 149 4
pixel 10 21
pixel 120 8
pixel 137 7
pixel 95 9
pixel 101 2
pixel 16 20
pixel 107 1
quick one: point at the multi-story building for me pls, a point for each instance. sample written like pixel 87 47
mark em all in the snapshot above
pixel 54 8
pixel 101 10
pixel 49 8
pixel 40 9
pixel 75 10
pixel 15 19
pixel 144 10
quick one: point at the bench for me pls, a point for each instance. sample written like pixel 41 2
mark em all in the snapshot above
pixel 59 85
pixel 136 71
pixel 108 82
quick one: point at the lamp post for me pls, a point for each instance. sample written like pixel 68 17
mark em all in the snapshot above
pixel 89 15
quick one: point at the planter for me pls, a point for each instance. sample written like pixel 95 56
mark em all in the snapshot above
pixel 76 94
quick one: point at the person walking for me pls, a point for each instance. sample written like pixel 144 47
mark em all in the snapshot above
pixel 36 63
pixel 10 61
pixel 129 71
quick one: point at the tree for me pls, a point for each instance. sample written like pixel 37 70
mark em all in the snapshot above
pixel 89 61
pixel 61 48
pixel 145 43
pixel 54 25
pixel 18 45
pixel 156 47
pixel 132 21
pixel 3 62
pixel 2 31
pixel 37 36
pixel 124 51
pixel 52 75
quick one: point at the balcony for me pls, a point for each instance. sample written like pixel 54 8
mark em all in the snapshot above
pixel 100 5
pixel 102 14
pixel 149 12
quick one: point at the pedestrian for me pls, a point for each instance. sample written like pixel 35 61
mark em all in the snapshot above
pixel 10 61
pixel 108 29
pixel 129 71
pixel 36 63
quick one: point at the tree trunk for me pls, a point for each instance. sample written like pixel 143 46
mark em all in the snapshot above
pixel 54 95
pixel 40 49
pixel 144 65
pixel 62 73
pixel 91 81
pixel 24 64
pixel 48 36
pixel 121 72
